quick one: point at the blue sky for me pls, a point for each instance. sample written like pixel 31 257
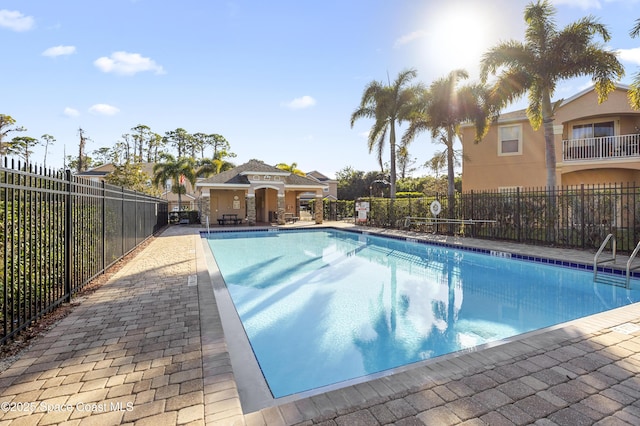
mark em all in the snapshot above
pixel 278 79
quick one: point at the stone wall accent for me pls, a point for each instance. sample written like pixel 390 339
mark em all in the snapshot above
pixel 318 209
pixel 251 210
pixel 205 210
pixel 281 209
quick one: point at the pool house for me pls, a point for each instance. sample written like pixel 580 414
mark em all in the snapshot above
pixel 256 192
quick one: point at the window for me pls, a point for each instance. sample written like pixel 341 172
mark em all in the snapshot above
pixel 510 140
pixel 593 130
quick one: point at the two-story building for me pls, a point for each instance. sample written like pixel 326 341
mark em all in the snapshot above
pixel 595 144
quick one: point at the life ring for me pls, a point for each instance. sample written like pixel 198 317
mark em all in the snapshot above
pixel 435 208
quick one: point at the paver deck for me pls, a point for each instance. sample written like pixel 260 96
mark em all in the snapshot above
pixel 148 348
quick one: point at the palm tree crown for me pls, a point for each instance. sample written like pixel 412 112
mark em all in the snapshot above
pixel 388 106
pixel 175 169
pixel 547 56
pixel 442 108
pixel 293 168
pixel 212 166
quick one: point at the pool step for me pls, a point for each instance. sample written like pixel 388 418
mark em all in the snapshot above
pixel 617 280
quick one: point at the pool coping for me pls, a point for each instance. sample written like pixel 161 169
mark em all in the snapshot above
pixel 371 390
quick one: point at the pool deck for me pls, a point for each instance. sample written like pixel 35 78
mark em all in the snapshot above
pixel 148 348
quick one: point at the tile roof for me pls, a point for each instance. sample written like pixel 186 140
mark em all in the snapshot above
pixel 236 176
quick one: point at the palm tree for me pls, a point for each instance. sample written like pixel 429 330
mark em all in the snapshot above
pixel 179 170
pixel 546 57
pixel 634 93
pixel 442 109
pixel 388 106
pixel 212 166
pixel 293 168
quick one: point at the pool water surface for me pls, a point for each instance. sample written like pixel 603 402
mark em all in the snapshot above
pixel 325 306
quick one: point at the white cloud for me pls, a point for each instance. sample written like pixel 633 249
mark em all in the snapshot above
pixel 125 63
pixel 59 51
pixel 71 112
pixel 103 109
pixel 16 21
pixel 630 55
pixel 300 103
pixel 408 38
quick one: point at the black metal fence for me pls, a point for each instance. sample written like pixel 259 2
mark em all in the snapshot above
pixel 573 217
pixel 58 232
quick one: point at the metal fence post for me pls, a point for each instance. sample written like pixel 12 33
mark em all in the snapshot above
pixel 104 226
pixel 123 249
pixel 518 220
pixel 582 224
pixel 68 236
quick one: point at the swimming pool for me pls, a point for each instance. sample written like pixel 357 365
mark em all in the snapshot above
pixel 325 306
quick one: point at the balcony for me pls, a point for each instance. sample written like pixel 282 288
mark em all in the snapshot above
pixel 602 148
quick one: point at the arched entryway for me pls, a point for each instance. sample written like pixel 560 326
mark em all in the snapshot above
pixel 266 204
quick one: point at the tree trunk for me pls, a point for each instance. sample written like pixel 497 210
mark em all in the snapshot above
pixel 550 151
pixel 392 172
pixel 549 139
pixel 451 189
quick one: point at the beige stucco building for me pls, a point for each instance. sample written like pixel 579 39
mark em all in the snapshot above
pixel 594 144
pixel 257 192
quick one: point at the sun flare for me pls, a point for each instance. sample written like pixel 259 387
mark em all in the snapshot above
pixel 453 36
pixel 463 35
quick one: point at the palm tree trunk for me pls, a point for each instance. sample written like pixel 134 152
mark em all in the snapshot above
pixel 451 189
pixel 549 140
pixel 392 147
pixel 392 173
pixel 550 157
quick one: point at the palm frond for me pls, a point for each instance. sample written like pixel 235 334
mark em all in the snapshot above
pixel 635 31
pixel 509 54
pixel 634 92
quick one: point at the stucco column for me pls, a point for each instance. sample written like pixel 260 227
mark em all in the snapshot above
pixel 251 209
pixel 281 208
pixel 318 207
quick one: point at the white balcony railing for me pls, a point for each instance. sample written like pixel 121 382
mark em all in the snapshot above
pixel 602 148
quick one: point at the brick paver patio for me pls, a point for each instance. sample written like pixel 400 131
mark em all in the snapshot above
pixel 148 348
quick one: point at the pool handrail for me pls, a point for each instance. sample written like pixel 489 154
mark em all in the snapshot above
pixel 629 268
pixel 596 260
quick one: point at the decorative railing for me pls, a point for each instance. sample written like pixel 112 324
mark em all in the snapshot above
pixel 602 148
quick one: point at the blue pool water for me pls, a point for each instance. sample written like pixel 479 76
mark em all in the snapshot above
pixel 324 306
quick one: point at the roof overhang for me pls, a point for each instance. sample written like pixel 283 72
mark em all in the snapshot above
pixel 241 186
pixel 270 173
